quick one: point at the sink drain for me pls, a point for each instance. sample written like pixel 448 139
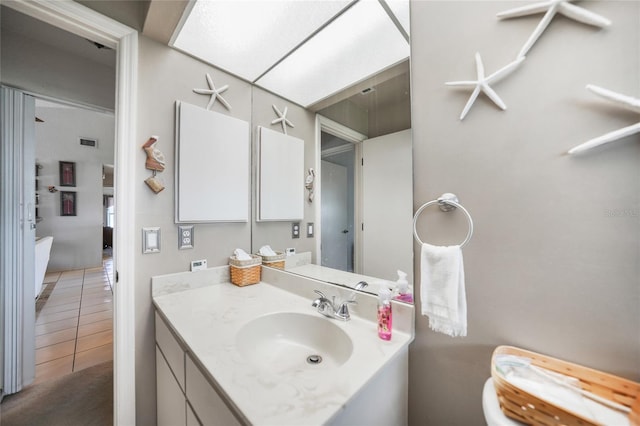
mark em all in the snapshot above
pixel 314 359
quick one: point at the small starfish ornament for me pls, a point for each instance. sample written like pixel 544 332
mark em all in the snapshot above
pixel 215 93
pixel 626 102
pixel 482 83
pixel 282 119
pixel 552 7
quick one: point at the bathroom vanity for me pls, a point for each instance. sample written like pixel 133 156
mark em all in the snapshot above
pixel 262 355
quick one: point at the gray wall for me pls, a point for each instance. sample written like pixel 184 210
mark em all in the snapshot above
pixel 549 267
pixel 77 239
pixel 166 75
pixel 278 234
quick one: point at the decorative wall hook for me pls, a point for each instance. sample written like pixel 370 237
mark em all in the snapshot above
pixel 482 83
pixel 214 93
pixel 282 119
pixel 551 8
pixel 624 101
pixel 155 162
pixel 308 183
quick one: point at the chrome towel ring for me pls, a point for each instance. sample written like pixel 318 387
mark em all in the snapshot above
pixel 447 202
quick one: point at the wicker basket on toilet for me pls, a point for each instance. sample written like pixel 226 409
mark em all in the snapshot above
pixel 245 272
pixel 530 409
pixel 276 261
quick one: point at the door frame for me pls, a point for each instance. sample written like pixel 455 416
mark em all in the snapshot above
pixel 324 124
pixel 80 20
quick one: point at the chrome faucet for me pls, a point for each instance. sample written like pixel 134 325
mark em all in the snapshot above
pixel 329 308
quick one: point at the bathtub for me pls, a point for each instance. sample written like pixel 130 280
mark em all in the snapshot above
pixel 43 249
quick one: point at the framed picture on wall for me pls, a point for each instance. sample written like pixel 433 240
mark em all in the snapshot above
pixel 67 203
pixel 67 173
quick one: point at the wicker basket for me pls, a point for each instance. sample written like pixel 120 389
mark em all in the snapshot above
pixel 245 272
pixel 524 407
pixel 276 261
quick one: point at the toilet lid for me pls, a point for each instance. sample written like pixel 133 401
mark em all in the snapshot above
pixel 491 407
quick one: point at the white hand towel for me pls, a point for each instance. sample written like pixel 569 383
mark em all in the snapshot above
pixel 266 251
pixel 241 254
pixel 442 289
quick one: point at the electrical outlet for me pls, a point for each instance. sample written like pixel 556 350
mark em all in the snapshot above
pixel 295 230
pixel 185 237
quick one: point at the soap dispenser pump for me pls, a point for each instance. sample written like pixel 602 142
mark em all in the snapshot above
pixel 384 313
pixel 404 293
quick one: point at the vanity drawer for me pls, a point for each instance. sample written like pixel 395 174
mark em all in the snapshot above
pixel 171 350
pixel 204 399
pixel 171 402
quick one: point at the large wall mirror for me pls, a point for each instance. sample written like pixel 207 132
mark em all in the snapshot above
pixel 361 213
pixel 342 70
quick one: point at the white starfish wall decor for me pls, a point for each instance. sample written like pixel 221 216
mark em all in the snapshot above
pixel 552 7
pixel 482 83
pixel 626 102
pixel 215 93
pixel 282 119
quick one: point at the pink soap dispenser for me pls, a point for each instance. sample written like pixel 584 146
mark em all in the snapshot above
pixel 385 317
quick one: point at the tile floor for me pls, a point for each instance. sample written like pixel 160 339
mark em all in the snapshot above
pixel 74 326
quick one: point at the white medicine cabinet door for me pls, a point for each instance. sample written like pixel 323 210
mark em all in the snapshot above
pixel 212 166
pixel 280 191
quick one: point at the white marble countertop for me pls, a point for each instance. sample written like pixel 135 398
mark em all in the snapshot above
pixel 207 319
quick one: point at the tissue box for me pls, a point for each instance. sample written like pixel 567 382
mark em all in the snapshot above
pixel 245 272
pixel 276 261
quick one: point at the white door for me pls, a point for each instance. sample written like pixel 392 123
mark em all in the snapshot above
pixel 387 197
pixel 17 239
pixel 334 224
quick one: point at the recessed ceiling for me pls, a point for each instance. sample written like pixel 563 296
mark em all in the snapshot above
pixel 304 51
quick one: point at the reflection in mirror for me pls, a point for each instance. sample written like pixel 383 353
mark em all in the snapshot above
pixel 369 237
pixel 364 195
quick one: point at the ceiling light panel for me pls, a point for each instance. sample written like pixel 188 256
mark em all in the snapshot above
pixel 247 37
pixel 359 43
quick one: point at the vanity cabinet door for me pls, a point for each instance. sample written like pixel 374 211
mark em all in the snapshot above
pixel 171 350
pixel 170 399
pixel 204 399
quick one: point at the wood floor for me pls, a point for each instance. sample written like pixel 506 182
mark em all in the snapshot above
pixel 74 326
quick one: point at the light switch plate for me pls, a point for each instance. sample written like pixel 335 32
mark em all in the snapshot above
pixel 151 240
pixel 295 230
pixel 309 229
pixel 185 237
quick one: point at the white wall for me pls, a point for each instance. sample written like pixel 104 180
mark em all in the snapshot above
pixel 77 239
pixel 549 268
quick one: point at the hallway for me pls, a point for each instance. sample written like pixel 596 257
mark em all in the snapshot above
pixel 74 321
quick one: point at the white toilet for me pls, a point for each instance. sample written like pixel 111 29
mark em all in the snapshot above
pixel 491 407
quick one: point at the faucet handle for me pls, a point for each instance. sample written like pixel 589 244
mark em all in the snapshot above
pixel 343 310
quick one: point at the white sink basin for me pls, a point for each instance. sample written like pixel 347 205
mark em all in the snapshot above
pixel 290 341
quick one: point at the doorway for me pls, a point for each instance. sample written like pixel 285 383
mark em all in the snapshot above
pixel 338 202
pixel 77 19
pixel 74 313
